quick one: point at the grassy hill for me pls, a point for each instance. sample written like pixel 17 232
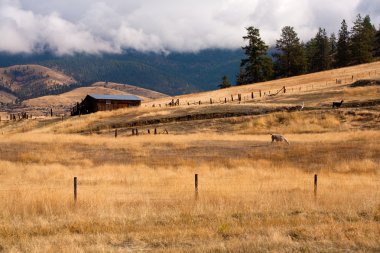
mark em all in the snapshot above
pixel 28 81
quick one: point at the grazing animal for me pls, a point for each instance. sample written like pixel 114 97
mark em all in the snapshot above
pixel 279 137
pixel 337 104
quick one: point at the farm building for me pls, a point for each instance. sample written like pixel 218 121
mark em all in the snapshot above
pixel 93 103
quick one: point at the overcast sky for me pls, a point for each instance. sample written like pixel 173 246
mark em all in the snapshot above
pixel 94 26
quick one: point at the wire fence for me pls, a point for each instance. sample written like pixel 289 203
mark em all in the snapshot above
pixel 256 95
pixel 156 190
pixel 228 188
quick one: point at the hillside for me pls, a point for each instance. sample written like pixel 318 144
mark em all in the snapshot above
pixel 130 89
pixel 63 103
pixel 28 81
pixel 174 73
pixel 314 89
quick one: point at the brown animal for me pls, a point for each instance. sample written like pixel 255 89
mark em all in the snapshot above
pixel 337 104
pixel 279 137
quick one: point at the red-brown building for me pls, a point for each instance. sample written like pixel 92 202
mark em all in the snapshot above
pixel 94 103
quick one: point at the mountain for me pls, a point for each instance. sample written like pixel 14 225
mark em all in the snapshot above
pixel 174 73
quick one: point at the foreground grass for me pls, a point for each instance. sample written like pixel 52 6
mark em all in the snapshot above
pixel 137 193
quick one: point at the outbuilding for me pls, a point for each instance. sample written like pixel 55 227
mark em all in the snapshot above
pixel 95 102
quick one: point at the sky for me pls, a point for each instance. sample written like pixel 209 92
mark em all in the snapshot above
pixel 111 26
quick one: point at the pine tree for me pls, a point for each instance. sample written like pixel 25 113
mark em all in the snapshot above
pixel 363 38
pixel 258 66
pixel 376 50
pixel 291 58
pixel 333 49
pixel 318 52
pixel 225 83
pixel 342 58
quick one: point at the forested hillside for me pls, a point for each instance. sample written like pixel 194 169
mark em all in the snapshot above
pixel 175 73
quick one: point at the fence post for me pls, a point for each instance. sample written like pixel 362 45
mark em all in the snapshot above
pixel 232 97
pixel 225 100
pixel 196 186
pixel 210 101
pixel 116 133
pixel 75 190
pixel 260 93
pixel 155 130
pixel 315 185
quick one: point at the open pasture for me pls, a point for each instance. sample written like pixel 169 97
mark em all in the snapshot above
pixel 137 193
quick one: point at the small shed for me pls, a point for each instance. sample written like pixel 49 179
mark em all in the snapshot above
pixel 94 103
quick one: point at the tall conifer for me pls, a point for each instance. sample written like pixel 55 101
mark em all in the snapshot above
pixel 291 57
pixel 362 40
pixel 343 46
pixel 258 66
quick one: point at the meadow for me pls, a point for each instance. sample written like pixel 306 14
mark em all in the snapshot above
pixel 137 193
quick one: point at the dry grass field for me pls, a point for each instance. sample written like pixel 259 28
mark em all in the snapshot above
pixel 137 193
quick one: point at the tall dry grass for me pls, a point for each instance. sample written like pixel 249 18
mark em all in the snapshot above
pixel 137 193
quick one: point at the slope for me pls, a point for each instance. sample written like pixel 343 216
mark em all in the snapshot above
pixel 317 91
pixel 28 81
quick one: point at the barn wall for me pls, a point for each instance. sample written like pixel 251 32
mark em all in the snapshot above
pixel 103 105
pixel 90 105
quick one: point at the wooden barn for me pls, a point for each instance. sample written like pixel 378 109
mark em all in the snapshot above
pixel 94 103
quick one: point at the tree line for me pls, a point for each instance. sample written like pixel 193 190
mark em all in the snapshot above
pixel 360 44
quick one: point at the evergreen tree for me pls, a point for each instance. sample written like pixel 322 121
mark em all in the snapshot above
pixel 258 66
pixel 333 49
pixel 310 50
pixel 318 52
pixel 376 52
pixel 343 46
pixel 291 58
pixel 225 83
pixel 363 38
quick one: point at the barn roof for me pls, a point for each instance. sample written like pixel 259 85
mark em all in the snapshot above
pixel 115 97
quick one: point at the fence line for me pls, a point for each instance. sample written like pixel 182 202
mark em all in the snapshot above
pixel 263 94
pixel 78 188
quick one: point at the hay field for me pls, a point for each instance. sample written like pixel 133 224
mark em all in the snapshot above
pixel 137 193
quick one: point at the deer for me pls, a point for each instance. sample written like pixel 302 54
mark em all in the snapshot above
pixel 337 104
pixel 279 137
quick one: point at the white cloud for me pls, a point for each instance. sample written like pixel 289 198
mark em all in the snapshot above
pixel 96 26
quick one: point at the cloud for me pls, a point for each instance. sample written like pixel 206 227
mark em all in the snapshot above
pixel 97 26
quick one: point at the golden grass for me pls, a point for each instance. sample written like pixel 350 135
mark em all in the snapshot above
pixel 297 122
pixel 358 93
pixel 138 193
pixel 297 85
